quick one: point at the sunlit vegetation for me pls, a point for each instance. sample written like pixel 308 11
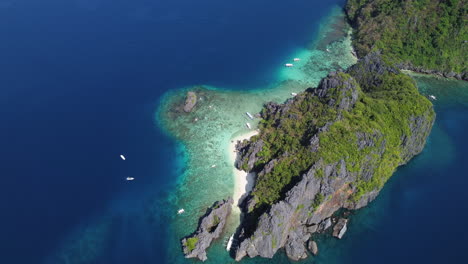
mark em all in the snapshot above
pixel 384 110
pixel 431 34
pixel 191 243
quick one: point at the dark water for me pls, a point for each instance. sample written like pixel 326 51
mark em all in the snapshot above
pixel 80 81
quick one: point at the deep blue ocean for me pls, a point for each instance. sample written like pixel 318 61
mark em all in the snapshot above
pixel 80 81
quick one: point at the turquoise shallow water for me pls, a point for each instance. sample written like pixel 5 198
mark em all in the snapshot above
pixel 219 116
pixel 141 226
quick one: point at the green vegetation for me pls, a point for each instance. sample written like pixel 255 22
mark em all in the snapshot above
pixel 273 242
pixel 290 136
pixel 216 220
pixel 431 34
pixel 191 243
pixel 299 207
pixel 382 111
pixel 319 173
pixel 318 199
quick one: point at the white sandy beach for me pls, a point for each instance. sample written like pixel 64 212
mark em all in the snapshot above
pixel 243 182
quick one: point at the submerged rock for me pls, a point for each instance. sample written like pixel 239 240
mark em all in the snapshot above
pixel 340 228
pixel 210 227
pixel 190 102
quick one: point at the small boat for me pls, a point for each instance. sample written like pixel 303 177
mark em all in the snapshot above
pixel 249 115
pixel 432 97
pixel 122 157
pixel 297 59
pixel 229 244
pixel 213 166
pixel 181 211
pixel 248 125
pixel 130 178
pixel 293 94
pixel 289 65
pixel 328 50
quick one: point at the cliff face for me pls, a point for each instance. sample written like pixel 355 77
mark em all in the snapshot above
pixel 428 36
pixel 328 148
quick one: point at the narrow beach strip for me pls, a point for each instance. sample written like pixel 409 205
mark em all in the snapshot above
pixel 243 181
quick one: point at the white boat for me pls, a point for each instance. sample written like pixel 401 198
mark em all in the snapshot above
pixel 122 157
pixel 432 97
pixel 328 50
pixel 229 244
pixel 289 65
pixel 297 59
pixel 293 94
pixel 248 125
pixel 181 211
pixel 130 178
pixel 213 166
pixel 249 115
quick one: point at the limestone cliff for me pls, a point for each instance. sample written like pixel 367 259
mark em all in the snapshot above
pixel 328 148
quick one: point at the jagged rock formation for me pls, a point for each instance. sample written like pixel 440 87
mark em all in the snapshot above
pixel 210 227
pixel 323 226
pixel 328 148
pixel 190 102
pixel 340 228
pixel 313 248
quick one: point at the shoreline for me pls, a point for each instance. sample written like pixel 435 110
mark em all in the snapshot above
pixel 243 181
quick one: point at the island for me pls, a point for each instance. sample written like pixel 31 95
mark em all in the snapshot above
pixel 328 148
pixel 332 148
pixel 209 228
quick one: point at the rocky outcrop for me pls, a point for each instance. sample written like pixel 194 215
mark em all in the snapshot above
pixel 340 228
pixel 288 222
pixel 313 248
pixel 310 200
pixel 248 152
pixel 408 66
pixel 324 225
pixel 210 227
pixel 190 102
pixel 295 246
